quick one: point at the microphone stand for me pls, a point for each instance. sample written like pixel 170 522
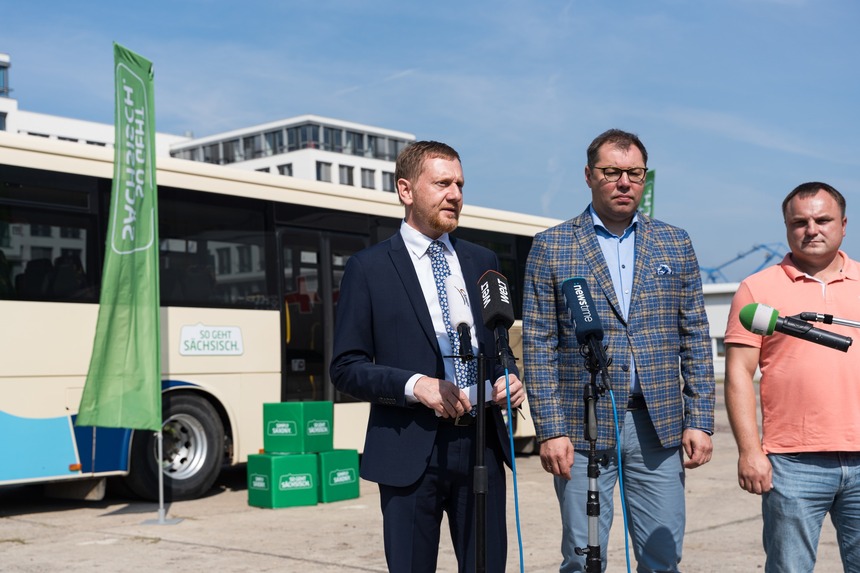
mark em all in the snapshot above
pixel 481 482
pixel 826 319
pixel 595 361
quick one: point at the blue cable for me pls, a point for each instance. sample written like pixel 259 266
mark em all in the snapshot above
pixel 620 477
pixel 514 470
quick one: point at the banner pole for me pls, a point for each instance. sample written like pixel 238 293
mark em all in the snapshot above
pixel 159 439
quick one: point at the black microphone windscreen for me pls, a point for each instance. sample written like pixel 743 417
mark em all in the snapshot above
pixel 583 312
pixel 496 307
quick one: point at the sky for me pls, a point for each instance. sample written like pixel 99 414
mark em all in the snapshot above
pixel 737 101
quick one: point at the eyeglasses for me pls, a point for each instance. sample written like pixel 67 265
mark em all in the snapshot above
pixel 635 175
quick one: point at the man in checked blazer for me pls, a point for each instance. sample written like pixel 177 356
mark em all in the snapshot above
pixel 391 349
pixel 644 278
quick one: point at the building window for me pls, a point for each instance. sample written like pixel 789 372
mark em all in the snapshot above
pixel 286 169
pixel 251 146
pixel 345 175
pixel 244 252
pixel 191 154
pixel 70 232
pixel 309 136
pixel 2 121
pixel 263 170
pixel 368 178
pixel 376 147
pixel 224 261
pixel 395 146
pixel 332 139
pixel 4 81
pixel 231 152
pixel 388 182
pixel 354 143
pixel 323 171
pixel 212 153
pixel 274 142
pixel 40 230
pixel 292 138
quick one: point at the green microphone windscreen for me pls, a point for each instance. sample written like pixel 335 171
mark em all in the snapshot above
pixel 759 318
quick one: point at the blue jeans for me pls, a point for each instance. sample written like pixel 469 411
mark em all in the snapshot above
pixel 654 494
pixel 806 486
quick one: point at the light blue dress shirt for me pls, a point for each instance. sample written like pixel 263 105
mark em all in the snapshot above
pixel 619 252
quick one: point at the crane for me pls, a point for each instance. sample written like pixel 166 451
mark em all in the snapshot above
pixel 772 251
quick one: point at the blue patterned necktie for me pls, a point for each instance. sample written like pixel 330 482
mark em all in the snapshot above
pixel 465 372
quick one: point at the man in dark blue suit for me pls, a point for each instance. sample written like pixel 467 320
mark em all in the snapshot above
pixel 392 348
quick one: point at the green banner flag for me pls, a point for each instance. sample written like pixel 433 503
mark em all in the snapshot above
pixel 647 204
pixel 123 387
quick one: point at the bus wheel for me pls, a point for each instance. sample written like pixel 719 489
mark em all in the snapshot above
pixel 193 450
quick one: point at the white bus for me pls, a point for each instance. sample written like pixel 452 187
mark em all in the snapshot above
pixel 250 265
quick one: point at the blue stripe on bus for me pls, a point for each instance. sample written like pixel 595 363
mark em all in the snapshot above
pixel 44 448
pixel 34 448
pixel 113 445
pixel 112 448
pixel 173 384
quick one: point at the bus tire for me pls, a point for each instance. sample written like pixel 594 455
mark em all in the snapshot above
pixel 193 450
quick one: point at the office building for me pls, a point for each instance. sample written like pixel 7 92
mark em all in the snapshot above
pixel 307 147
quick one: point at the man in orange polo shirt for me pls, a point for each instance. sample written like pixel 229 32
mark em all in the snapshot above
pixel 807 461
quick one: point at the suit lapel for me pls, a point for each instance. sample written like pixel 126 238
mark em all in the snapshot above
pixel 406 272
pixel 586 237
pixel 642 262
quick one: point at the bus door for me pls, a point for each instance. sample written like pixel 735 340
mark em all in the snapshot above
pixel 312 263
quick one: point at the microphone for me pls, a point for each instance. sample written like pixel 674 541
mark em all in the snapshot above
pixel 764 320
pixel 586 321
pixel 580 307
pixel 460 313
pixel 497 310
pixel 589 333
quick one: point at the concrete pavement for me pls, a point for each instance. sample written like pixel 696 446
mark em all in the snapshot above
pixel 222 533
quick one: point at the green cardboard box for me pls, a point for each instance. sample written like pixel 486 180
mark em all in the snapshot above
pixel 338 471
pixel 282 480
pixel 297 427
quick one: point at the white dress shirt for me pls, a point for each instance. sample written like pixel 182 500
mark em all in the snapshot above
pixel 417 244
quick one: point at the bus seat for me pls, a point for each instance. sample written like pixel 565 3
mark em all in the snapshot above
pixel 33 282
pixel 7 289
pixel 68 277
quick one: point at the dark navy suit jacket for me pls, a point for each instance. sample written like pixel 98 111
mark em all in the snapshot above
pixel 383 336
